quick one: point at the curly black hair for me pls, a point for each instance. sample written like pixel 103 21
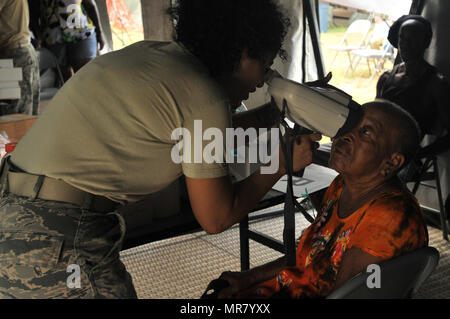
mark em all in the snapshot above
pixel 218 31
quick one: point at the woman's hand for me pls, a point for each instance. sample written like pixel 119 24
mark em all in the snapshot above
pixel 323 82
pixel 302 154
pixel 238 282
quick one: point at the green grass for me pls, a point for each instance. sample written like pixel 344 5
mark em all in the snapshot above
pixel 340 30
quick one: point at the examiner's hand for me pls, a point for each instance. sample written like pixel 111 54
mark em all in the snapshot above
pixel 238 281
pixel 321 82
pixel 302 153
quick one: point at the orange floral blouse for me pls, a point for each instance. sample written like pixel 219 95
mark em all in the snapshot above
pixel 387 226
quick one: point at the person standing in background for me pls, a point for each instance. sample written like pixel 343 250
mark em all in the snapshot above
pixel 15 44
pixel 71 30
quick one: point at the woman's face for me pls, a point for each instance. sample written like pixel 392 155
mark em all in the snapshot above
pixel 361 151
pixel 245 80
pixel 411 40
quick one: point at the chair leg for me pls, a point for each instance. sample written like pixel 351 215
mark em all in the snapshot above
pixel 358 59
pixel 334 59
pixel 423 170
pixel 447 208
pixel 373 75
pixel 350 62
pixel 244 243
pixel 368 65
pixel 378 67
pixel 441 201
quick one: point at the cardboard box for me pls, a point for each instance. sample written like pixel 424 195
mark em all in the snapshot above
pixel 9 93
pixel 10 74
pixel 16 125
pixel 9 84
pixel 6 63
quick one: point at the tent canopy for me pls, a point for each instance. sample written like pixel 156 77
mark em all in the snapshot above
pixel 394 9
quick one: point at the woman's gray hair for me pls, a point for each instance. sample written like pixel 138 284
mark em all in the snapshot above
pixel 408 135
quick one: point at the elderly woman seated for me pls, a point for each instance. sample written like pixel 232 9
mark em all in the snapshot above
pixel 367 215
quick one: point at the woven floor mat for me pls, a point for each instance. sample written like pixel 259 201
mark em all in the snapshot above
pixel 182 267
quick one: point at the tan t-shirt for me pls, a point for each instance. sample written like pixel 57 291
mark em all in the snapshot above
pixel 14 19
pixel 108 130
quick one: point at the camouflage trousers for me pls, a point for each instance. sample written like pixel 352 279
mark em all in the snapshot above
pixel 26 58
pixel 50 249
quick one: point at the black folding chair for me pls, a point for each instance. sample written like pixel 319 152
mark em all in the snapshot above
pixel 400 277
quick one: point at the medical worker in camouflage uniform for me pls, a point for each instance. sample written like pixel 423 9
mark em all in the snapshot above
pixel 15 44
pixel 105 140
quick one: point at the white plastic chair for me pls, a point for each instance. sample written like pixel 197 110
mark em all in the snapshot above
pixel 358 27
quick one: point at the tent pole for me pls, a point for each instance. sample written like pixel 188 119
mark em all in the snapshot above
pixel 156 21
pixel 313 30
pixel 304 46
pixel 105 23
pixel 417 7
